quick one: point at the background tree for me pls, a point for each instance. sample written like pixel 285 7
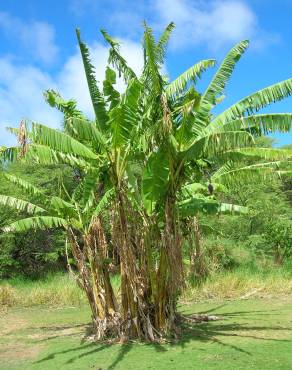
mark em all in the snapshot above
pixel 35 252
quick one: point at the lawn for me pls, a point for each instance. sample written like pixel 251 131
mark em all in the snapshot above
pixel 252 334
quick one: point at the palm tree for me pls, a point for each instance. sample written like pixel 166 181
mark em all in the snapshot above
pixel 140 162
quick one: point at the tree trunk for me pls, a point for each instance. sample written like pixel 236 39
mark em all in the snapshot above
pixel 197 268
pixel 148 297
pixel 278 255
pixel 170 272
pixel 94 279
pixel 136 292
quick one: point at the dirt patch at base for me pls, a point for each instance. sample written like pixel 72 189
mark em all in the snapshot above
pixel 54 332
pixel 11 323
pixel 15 352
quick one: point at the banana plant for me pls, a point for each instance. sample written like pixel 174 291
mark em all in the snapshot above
pixel 142 154
pixel 191 135
pixel 84 228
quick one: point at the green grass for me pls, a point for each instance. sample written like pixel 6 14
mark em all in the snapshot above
pixel 53 290
pixel 43 322
pixel 59 290
pixel 253 334
pixel 243 281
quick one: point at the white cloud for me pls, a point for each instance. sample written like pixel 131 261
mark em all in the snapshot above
pixel 40 37
pixel 36 37
pixel 21 90
pixel 213 23
pixel 21 87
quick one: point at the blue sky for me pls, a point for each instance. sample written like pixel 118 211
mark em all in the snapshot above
pixel 38 47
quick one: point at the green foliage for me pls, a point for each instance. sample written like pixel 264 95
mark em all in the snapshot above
pixel 137 164
pixel 112 95
pixel 155 179
pixel 98 102
pixel 265 231
pixel 116 59
pixel 68 108
pixel 103 203
pixel 60 141
pixel 256 101
pixel 27 186
pixel 32 223
pixel 221 77
pixel 20 205
pixel 124 116
pixel 34 252
pixel 190 75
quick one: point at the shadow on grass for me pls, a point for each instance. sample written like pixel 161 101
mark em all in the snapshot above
pixel 204 332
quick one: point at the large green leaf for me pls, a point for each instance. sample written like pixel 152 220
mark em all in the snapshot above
pixel 10 154
pixel 116 59
pixel 25 185
pixel 218 83
pixel 97 99
pixel 134 174
pixel 42 154
pixel 89 188
pixel 125 116
pixel 221 77
pixel 256 101
pixel 233 171
pixel 113 96
pixel 194 188
pixel 200 204
pixel 20 205
pixel 255 154
pixel 230 208
pixel 262 123
pixel 195 204
pixel 155 179
pixel 214 144
pixel 36 223
pixel 86 132
pixel 63 208
pixel 61 142
pixel 68 107
pixel 163 41
pixel 151 76
pixel 103 202
pixel 191 74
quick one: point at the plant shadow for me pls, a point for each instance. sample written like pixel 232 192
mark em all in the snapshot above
pixel 205 332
